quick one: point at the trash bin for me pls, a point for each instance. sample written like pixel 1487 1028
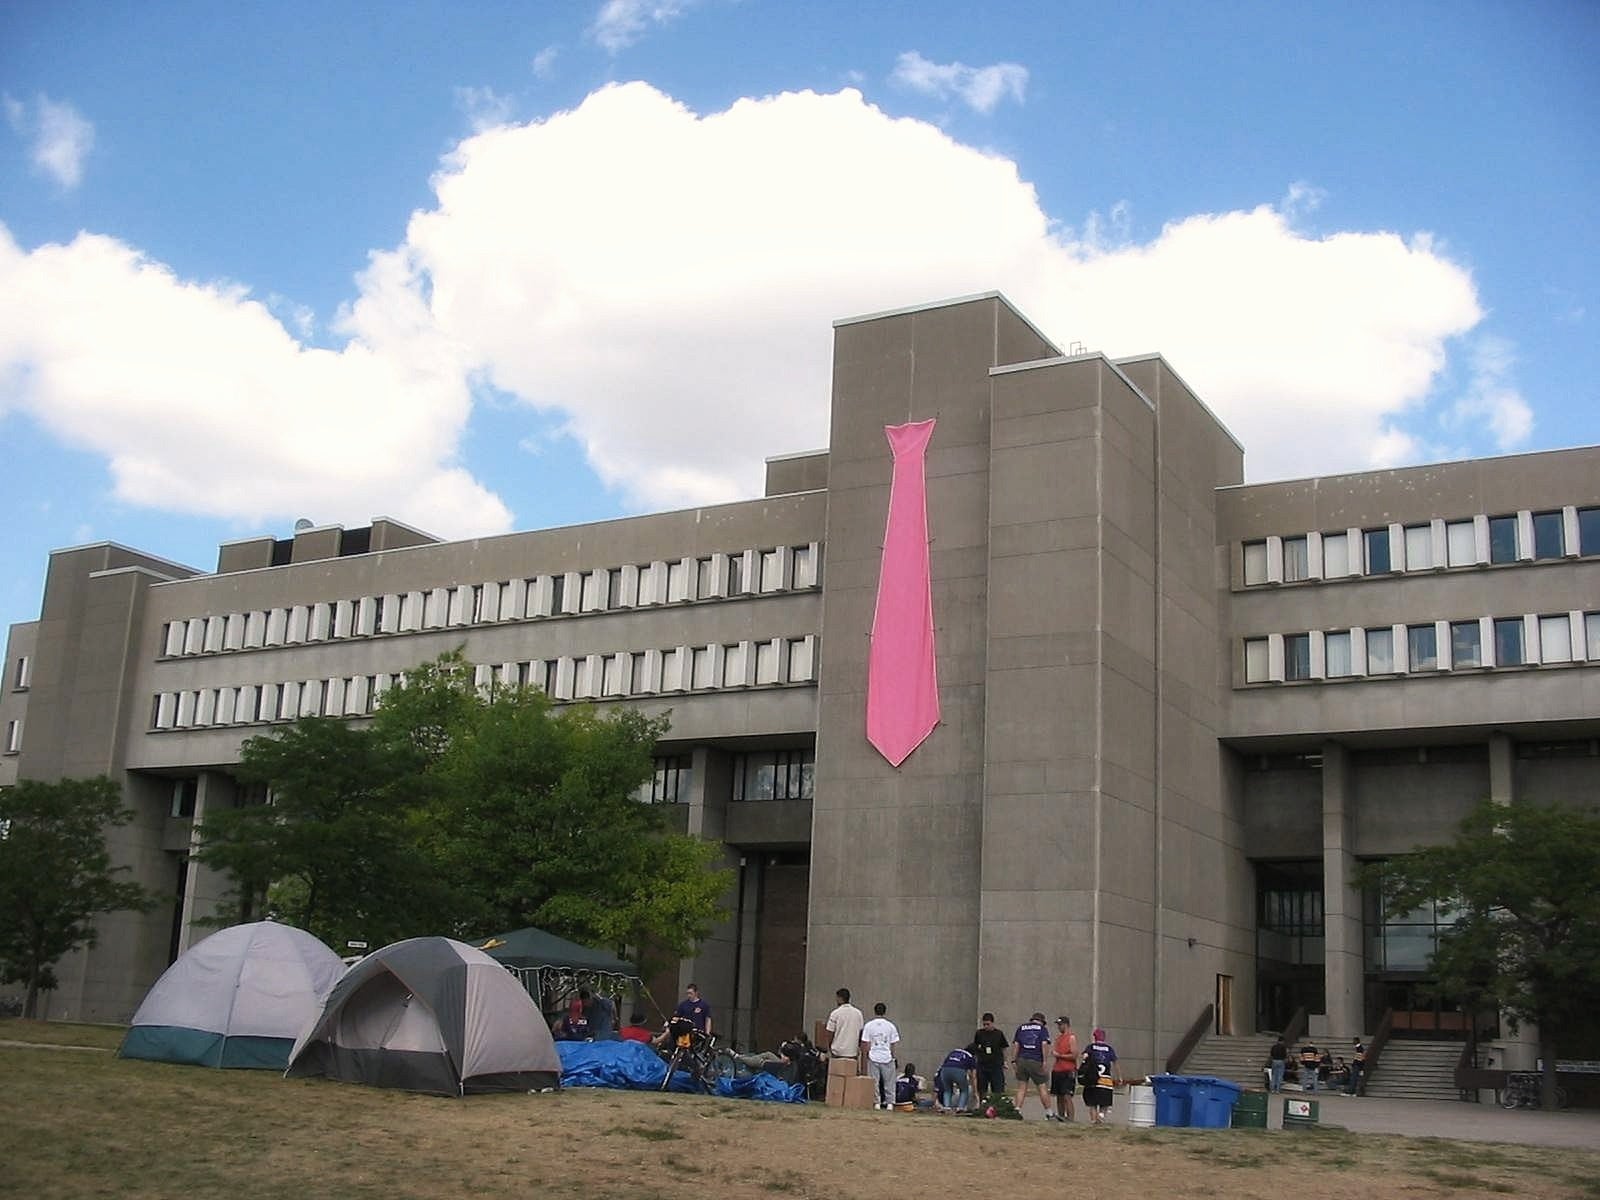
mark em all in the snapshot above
pixel 1251 1111
pixel 1211 1101
pixel 1141 1106
pixel 1172 1100
pixel 1299 1114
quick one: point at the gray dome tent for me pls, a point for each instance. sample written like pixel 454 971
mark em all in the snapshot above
pixel 237 999
pixel 430 1015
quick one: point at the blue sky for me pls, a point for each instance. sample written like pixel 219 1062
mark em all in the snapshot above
pixel 511 266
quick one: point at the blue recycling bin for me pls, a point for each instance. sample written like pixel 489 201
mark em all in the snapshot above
pixel 1211 1101
pixel 1172 1100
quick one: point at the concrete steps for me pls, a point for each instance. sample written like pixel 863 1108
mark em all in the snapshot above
pixel 1238 1059
pixel 1411 1070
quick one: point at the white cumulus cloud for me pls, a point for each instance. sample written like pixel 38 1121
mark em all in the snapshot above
pixel 660 285
pixel 202 402
pixel 59 137
pixel 980 88
pixel 1492 400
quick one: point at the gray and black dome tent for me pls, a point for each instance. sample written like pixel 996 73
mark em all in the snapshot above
pixel 430 1015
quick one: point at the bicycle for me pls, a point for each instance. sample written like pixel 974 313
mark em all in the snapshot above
pixel 1523 1090
pixel 691 1051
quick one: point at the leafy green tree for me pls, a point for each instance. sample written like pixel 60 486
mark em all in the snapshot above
pixel 1524 881
pixel 331 852
pixel 56 875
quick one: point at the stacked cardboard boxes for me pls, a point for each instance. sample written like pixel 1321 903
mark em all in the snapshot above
pixel 847 1089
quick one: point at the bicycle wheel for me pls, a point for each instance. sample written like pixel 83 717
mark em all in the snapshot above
pixel 672 1065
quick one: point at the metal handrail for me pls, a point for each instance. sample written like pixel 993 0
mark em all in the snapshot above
pixel 1380 1039
pixel 1190 1040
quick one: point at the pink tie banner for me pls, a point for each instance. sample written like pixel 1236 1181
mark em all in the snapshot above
pixel 902 682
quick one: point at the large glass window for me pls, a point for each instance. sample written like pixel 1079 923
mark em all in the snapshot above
pixel 1589 531
pixel 1462 543
pixel 1297 656
pixel 1380 651
pixel 1376 542
pixel 1419 547
pixel 1406 942
pixel 1502 539
pixel 670 782
pixel 1255 563
pixel 774 775
pixel 1508 642
pixel 1466 644
pixel 1336 650
pixel 1548 535
pixel 1422 644
pixel 1296 559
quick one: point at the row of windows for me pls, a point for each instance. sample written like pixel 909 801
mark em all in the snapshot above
pixel 758 775
pixel 587 677
pixel 1429 546
pixel 720 576
pixel 1477 642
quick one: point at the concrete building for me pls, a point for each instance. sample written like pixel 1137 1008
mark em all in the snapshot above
pixel 1176 709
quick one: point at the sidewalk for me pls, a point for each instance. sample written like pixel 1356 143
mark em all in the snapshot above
pixel 1577 1129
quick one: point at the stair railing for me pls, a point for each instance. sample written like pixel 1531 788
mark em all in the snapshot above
pixel 1296 1028
pixel 1380 1039
pixel 1190 1040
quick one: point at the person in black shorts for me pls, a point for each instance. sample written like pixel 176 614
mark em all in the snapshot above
pixel 989 1048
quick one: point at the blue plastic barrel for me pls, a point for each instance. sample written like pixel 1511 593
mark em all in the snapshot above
pixel 1172 1099
pixel 1211 1101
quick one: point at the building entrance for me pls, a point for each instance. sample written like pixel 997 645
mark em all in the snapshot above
pixel 1289 941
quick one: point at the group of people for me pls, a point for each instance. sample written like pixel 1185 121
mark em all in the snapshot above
pixel 1317 1068
pixel 1054 1066
pixel 592 1017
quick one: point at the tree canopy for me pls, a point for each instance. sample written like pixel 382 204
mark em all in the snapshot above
pixel 1523 881
pixel 460 813
pixel 56 875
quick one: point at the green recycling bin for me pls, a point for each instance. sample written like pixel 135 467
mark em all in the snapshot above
pixel 1250 1112
pixel 1299 1114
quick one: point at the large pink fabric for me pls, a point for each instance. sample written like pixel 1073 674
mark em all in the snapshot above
pixel 902 684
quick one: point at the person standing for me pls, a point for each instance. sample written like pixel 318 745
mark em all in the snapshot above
pixel 1032 1042
pixel 879 1038
pixel 693 1009
pixel 958 1078
pixel 989 1049
pixel 844 1025
pixel 1064 1069
pixel 1096 1071
pixel 1358 1064
pixel 1277 1063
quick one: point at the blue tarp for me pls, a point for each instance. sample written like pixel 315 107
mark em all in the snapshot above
pixel 634 1066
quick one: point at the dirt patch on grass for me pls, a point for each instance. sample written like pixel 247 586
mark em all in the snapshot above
pixel 93 1125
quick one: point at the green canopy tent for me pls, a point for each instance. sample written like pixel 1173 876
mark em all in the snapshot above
pixel 552 968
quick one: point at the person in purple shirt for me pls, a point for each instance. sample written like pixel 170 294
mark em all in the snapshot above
pixel 691 1010
pixel 1032 1044
pixel 958 1079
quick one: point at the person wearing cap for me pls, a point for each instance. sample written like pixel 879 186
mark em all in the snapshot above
pixel 1064 1070
pixel 1096 1071
pixel 1358 1064
pixel 1032 1044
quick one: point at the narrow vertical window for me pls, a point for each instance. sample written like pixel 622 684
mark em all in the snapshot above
pixel 1466 647
pixel 1422 647
pixel 1555 639
pixel 1502 539
pixel 1508 633
pixel 1376 545
pixel 1336 649
pixel 1255 660
pixel 1335 555
pixel 1589 531
pixel 1591 634
pixel 1297 656
pixel 1296 559
pixel 1380 651
pixel 1548 538
pixel 1419 547
pixel 1461 543
pixel 1255 563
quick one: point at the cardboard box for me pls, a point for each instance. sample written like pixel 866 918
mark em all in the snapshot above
pixel 860 1091
pixel 843 1066
pixel 835 1096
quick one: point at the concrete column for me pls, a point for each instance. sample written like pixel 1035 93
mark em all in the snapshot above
pixel 712 966
pixel 206 889
pixel 1502 768
pixel 1343 962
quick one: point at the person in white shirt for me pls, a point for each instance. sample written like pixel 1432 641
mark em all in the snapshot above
pixel 879 1038
pixel 845 1024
